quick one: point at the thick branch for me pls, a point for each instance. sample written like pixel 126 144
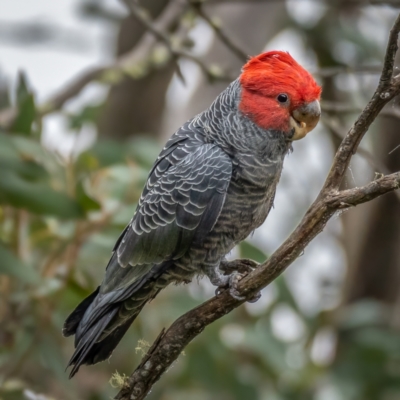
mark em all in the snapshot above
pixel 171 343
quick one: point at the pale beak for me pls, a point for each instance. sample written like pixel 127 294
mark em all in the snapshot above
pixel 304 119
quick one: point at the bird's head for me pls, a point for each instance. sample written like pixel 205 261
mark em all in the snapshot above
pixel 279 94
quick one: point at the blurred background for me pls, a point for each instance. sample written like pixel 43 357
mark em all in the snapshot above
pixel 88 97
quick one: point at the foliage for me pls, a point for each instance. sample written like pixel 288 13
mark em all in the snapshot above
pixel 59 219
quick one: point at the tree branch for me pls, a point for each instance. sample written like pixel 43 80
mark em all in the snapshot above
pixel 388 88
pixel 130 63
pixel 136 57
pixel 359 195
pixel 239 53
pixel 336 130
pixel 177 52
pixel 171 343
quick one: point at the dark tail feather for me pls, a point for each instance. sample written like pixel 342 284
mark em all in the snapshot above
pixel 72 322
pixel 83 353
pixel 100 351
pixel 88 322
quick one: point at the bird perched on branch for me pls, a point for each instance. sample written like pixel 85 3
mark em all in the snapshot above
pixel 212 184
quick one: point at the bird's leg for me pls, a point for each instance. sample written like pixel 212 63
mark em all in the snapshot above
pixel 217 278
pixel 227 274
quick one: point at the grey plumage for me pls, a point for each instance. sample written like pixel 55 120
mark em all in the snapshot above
pixel 211 186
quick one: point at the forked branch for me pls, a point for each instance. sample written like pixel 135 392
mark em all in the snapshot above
pixel 170 343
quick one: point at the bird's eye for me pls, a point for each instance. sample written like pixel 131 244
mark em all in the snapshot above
pixel 282 98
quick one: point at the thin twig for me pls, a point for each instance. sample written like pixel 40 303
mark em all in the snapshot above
pixel 330 200
pixel 386 90
pixel 359 195
pixel 138 12
pixel 328 72
pixel 235 49
pixel 376 164
pixel 138 58
pixel 128 64
pixel 361 151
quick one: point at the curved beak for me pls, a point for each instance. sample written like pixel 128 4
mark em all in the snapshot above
pixel 304 119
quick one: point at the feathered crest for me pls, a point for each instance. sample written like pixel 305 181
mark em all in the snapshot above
pixel 277 71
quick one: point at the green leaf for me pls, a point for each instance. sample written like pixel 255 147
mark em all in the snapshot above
pixel 378 338
pixel 36 197
pixel 247 250
pixel 85 201
pixel 18 161
pixel 26 108
pixel 11 265
pixel 143 150
pixel 28 170
pixel 102 154
pixel 7 147
pixel 22 87
pixel 362 314
pixel 31 149
pixel 285 294
pixel 26 116
pixel 87 114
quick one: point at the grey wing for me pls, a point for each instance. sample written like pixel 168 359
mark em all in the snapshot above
pixel 177 210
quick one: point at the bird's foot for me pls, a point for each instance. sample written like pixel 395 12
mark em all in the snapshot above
pixel 231 283
pixel 243 265
pixel 234 279
pixel 234 271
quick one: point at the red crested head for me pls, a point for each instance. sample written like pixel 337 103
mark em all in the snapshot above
pixel 278 93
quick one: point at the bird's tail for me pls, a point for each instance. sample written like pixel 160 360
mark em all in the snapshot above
pixel 99 326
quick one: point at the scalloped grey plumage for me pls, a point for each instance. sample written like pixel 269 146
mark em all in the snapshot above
pixel 213 183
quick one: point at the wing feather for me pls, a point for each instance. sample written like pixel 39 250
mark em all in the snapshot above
pixel 181 206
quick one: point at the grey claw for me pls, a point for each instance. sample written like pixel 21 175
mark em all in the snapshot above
pixel 234 280
pixel 235 294
pixel 234 271
pixel 255 298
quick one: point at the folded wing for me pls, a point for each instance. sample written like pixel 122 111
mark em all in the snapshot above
pixel 179 208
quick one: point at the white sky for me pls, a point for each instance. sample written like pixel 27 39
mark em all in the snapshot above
pixel 48 66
